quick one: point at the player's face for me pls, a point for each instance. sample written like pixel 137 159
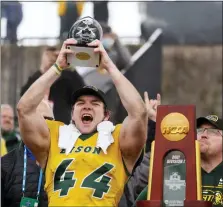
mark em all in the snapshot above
pixel 88 112
pixel 210 140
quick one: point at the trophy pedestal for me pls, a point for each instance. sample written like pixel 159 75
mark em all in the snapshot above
pixel 148 203
pixel 198 203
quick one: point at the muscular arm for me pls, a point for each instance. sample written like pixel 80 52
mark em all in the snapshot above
pixel 33 127
pixel 132 136
pixel 134 129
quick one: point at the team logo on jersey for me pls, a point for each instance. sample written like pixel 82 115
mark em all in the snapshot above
pixel 86 149
pixel 216 197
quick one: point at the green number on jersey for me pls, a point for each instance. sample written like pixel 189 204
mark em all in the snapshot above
pixel 98 180
pixel 63 180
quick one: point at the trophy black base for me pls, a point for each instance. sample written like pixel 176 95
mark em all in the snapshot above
pixel 148 203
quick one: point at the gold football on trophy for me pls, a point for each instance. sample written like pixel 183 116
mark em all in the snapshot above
pixel 174 126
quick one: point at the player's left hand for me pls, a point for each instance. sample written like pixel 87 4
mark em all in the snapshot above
pixel 105 62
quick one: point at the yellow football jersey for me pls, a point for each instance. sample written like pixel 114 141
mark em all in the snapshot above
pixel 86 176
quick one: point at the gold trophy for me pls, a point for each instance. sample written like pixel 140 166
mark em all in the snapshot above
pixel 175 171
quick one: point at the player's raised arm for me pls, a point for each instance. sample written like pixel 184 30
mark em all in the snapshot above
pixel 33 127
pixel 134 130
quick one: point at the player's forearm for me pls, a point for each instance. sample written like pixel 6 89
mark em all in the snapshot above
pixel 129 96
pixel 35 94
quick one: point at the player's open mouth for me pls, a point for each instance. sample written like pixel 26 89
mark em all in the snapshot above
pixel 87 118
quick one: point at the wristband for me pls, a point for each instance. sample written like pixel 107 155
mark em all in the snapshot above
pixel 57 71
pixel 58 67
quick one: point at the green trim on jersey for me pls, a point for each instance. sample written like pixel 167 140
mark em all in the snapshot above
pixel 84 137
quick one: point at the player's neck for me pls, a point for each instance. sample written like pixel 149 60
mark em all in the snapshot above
pixel 208 163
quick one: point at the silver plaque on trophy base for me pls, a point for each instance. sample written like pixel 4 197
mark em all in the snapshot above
pixel 83 57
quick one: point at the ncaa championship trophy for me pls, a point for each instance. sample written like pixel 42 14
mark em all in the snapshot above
pixel 175 171
pixel 84 30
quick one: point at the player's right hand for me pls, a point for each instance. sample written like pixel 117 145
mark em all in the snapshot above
pixel 62 57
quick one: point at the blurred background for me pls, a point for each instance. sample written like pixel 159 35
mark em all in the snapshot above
pixel 173 48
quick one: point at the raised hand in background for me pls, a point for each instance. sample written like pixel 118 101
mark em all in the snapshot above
pixel 151 105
